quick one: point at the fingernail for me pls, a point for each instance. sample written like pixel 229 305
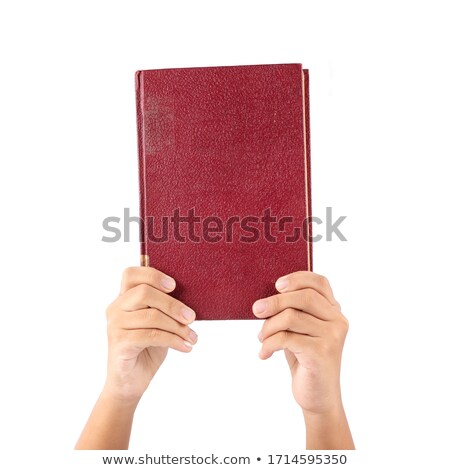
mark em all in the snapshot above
pixel 168 283
pixel 193 336
pixel 281 283
pixel 188 344
pixel 260 336
pixel 259 306
pixel 188 313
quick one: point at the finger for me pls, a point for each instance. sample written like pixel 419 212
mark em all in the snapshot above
pixel 153 318
pixel 134 276
pixel 304 279
pixel 293 342
pixel 308 300
pixel 145 296
pixel 295 321
pixel 153 337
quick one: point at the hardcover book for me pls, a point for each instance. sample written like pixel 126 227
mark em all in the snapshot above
pixel 225 185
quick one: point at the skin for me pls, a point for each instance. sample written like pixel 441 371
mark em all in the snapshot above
pixel 304 320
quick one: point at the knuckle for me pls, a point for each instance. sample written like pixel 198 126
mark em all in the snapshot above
pixel 152 274
pixel 293 277
pixel 172 304
pixel 153 333
pixel 152 271
pixel 283 337
pixel 322 281
pixel 266 327
pixel 128 274
pixel 112 312
pixel 115 335
pixel 141 291
pixel 335 337
pixel 151 314
pixel 344 323
pixel 184 331
pixel 308 297
pixel 274 303
pixel 291 314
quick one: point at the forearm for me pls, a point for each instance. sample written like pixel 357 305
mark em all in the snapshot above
pixel 326 431
pixel 109 425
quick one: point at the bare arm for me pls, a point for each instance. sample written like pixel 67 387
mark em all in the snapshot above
pixel 328 430
pixel 143 322
pixel 109 425
pixel 305 321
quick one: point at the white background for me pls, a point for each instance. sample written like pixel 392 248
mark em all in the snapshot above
pixel 379 120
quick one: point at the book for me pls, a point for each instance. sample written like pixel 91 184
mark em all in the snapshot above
pixel 225 181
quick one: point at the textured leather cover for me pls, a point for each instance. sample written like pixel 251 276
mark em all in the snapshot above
pixel 228 143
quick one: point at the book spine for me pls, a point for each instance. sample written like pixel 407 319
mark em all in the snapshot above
pixel 308 163
pixel 141 165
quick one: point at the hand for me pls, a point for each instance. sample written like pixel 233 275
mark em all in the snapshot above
pixel 306 321
pixel 143 322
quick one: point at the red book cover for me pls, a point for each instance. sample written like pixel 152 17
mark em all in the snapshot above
pixel 225 181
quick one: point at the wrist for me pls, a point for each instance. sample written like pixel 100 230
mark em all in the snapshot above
pixel 120 397
pixel 328 429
